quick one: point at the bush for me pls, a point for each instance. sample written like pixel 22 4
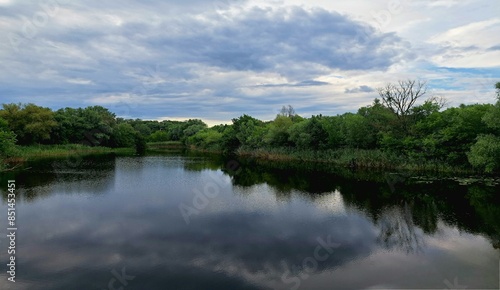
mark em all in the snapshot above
pixel 485 153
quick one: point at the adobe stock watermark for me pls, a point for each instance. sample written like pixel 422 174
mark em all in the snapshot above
pixel 120 279
pixel 383 17
pixel 310 264
pixel 454 285
pixel 32 25
pixel 210 191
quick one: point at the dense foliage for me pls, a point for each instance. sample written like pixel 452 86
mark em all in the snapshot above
pixel 465 136
pixel 396 127
pixel 29 124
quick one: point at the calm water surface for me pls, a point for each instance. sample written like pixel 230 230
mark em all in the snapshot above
pixel 198 222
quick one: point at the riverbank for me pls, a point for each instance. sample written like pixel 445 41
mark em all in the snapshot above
pixel 349 158
pixel 22 154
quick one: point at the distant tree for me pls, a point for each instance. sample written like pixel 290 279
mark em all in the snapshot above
pixel 193 129
pixel 287 111
pixel 497 87
pixel 206 139
pixel 142 128
pixel 159 136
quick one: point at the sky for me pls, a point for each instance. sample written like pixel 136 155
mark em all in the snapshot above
pixel 218 59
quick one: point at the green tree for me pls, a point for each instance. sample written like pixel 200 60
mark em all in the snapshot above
pixel 244 128
pixel 7 139
pixel 356 131
pixel 299 135
pixel 381 121
pixel 333 127
pixel 193 129
pixel 101 122
pixel 448 135
pixel 277 134
pixel 123 135
pixel 206 139
pixel 30 123
pixel 142 128
pixel 92 126
pixel 159 136
pixel 309 134
pixel 485 153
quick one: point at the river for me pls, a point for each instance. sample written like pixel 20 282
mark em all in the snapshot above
pixel 190 221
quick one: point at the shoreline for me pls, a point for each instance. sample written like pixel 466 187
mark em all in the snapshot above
pixel 342 158
pixel 26 153
pixel 349 159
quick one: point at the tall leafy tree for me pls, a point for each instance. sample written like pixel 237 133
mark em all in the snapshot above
pixel 278 134
pixel 485 153
pixel 123 135
pixel 31 123
pixel 91 126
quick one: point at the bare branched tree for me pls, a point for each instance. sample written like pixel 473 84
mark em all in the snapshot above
pixel 401 98
pixel 287 111
pixel 440 102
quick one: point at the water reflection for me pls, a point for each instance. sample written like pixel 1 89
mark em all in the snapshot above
pixel 74 175
pixel 472 208
pixel 81 223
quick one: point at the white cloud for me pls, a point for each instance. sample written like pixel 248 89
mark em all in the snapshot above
pixel 217 60
pixel 79 81
pixel 467 46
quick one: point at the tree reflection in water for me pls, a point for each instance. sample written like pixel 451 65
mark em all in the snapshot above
pixel 398 231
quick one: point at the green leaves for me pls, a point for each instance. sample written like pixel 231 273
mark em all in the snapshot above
pixel 30 123
pixel 7 139
pixel 485 153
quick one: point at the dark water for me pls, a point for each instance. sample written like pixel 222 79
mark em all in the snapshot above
pixel 195 222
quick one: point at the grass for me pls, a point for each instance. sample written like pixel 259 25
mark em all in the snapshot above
pixel 353 158
pixel 24 153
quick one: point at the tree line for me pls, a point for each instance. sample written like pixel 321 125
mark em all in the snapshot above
pixel 463 136
pixel 29 124
pixel 397 122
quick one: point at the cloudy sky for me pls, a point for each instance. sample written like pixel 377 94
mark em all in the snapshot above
pixel 219 59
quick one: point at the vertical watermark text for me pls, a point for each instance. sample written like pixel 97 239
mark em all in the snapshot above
pixel 11 230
